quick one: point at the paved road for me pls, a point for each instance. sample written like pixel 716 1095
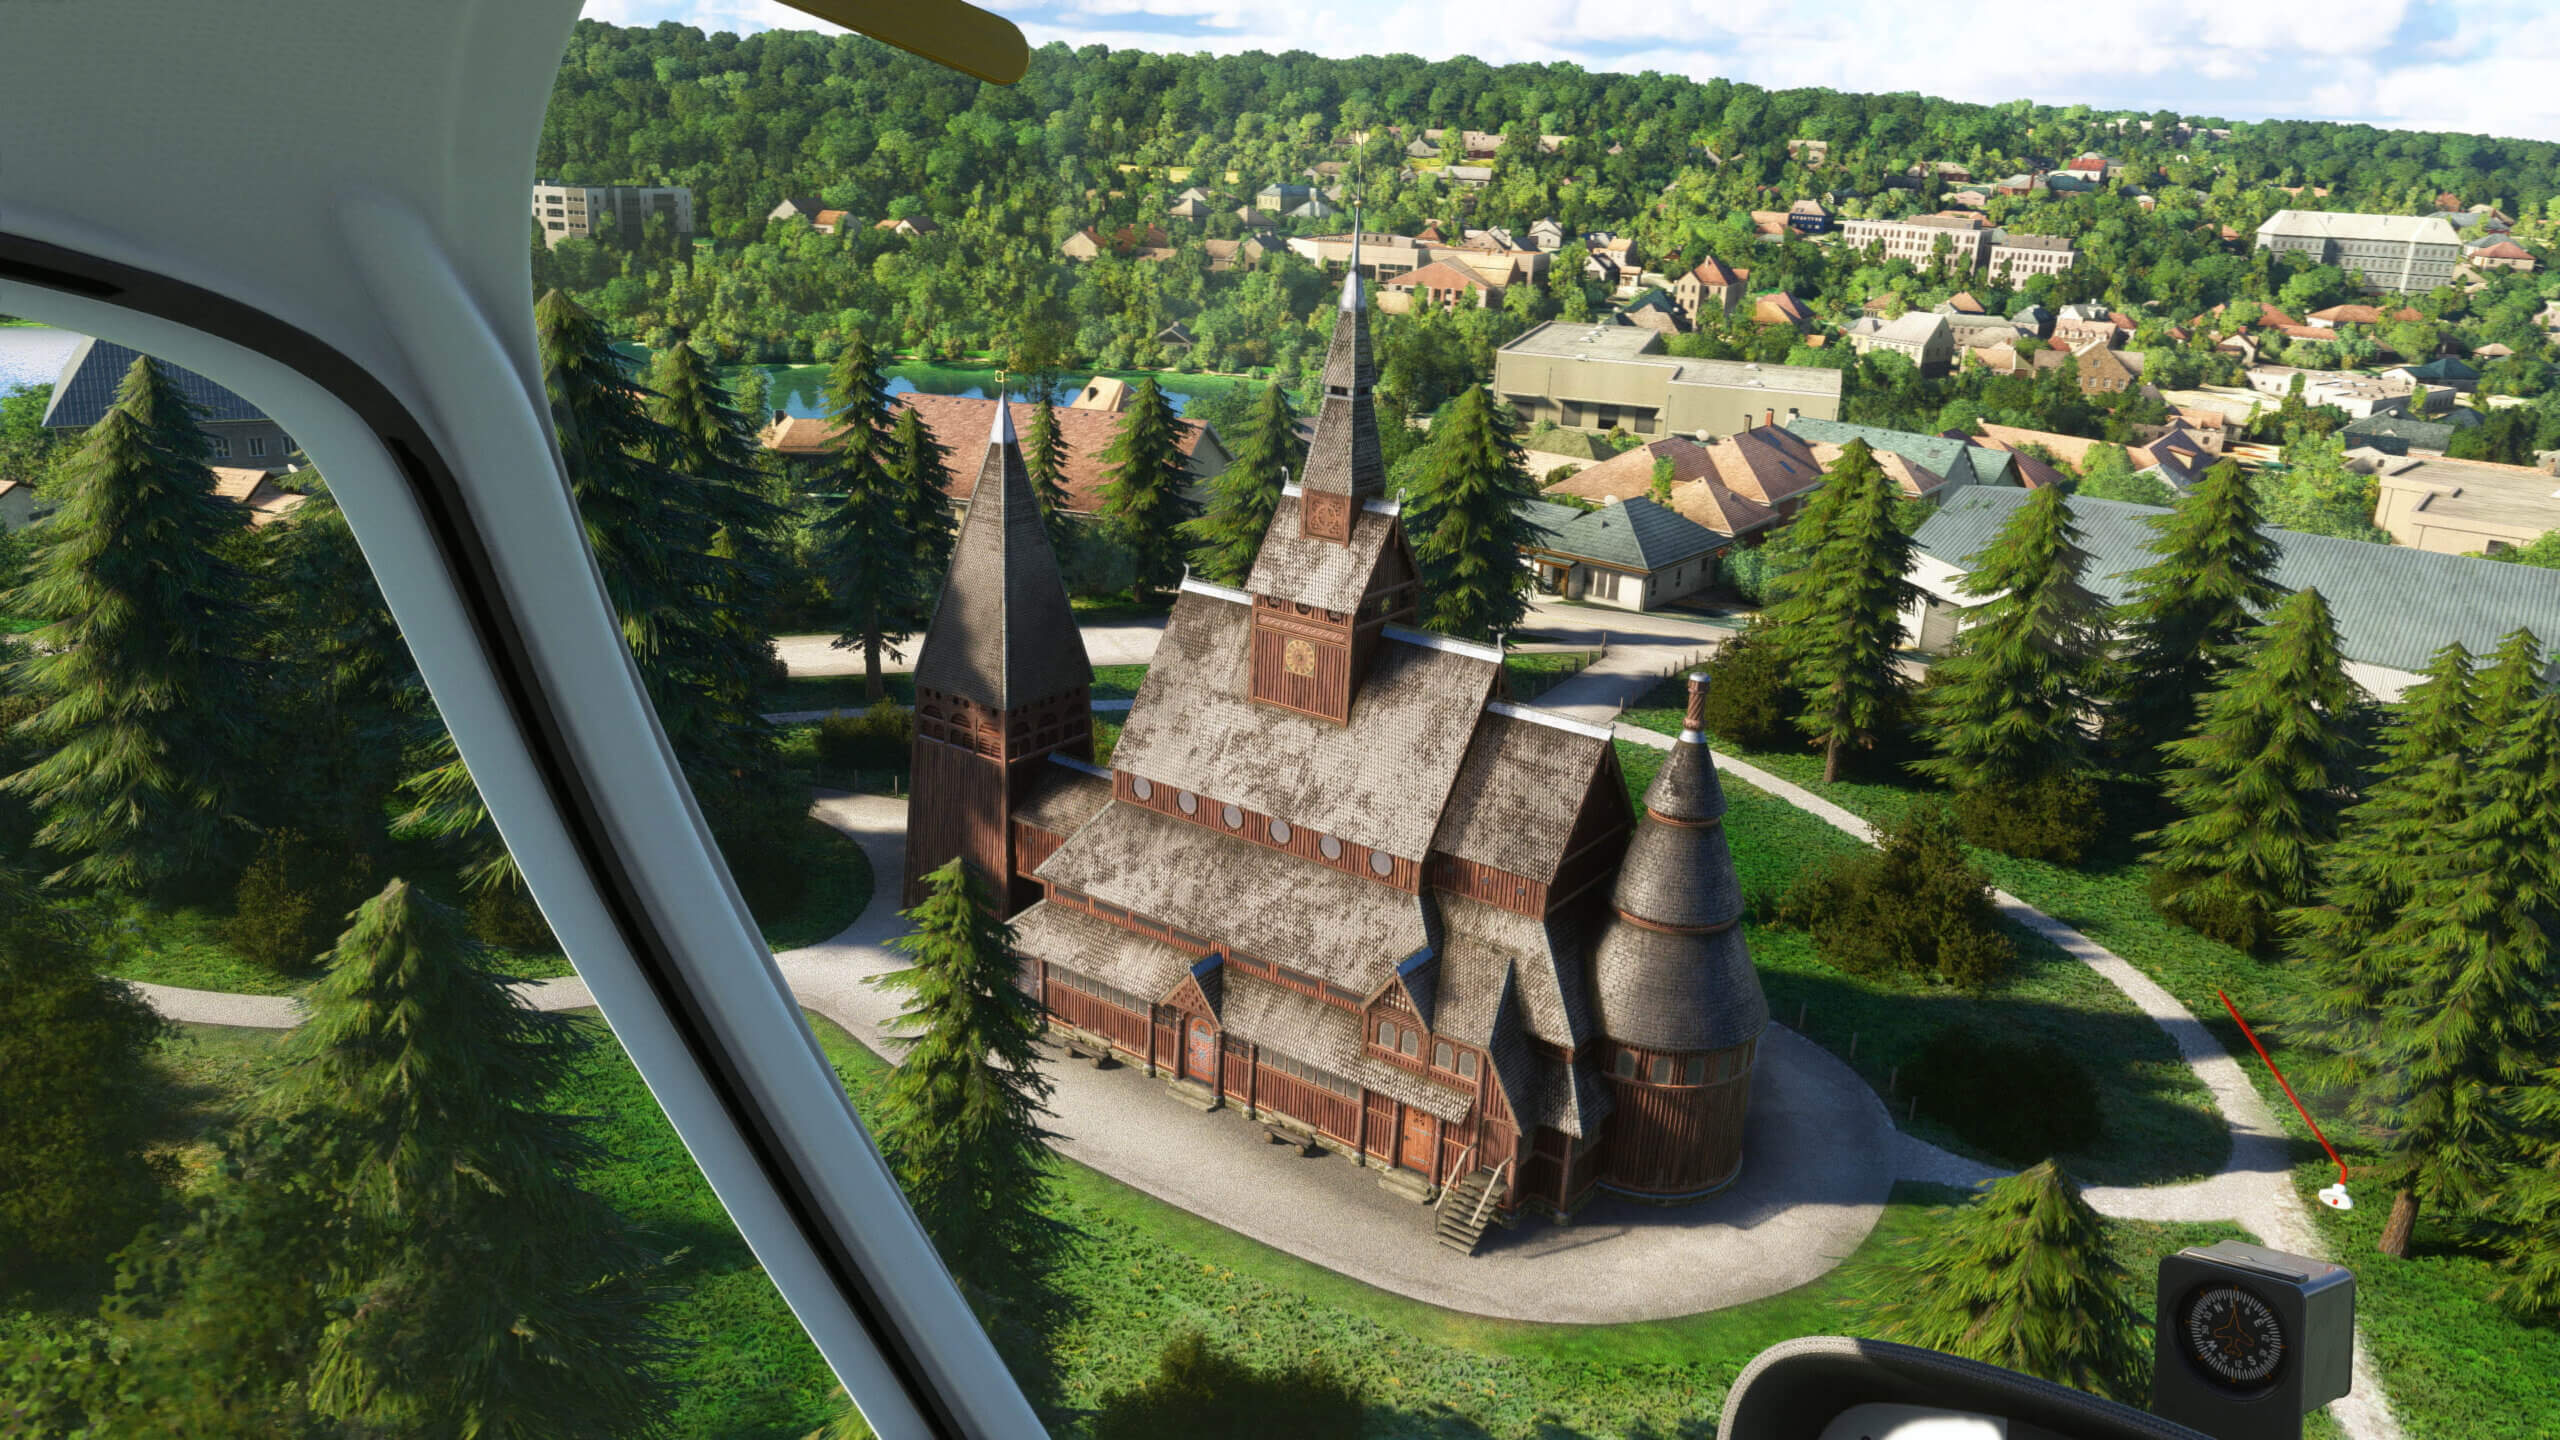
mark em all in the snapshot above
pixel 1122 642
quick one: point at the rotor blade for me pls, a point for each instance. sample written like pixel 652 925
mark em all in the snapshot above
pixel 946 32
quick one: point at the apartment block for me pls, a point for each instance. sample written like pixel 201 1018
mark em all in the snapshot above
pixel 566 210
pixel 2406 253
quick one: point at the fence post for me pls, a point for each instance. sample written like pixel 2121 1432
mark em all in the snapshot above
pixel 1853 1044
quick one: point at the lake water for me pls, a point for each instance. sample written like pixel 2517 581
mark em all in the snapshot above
pixel 33 354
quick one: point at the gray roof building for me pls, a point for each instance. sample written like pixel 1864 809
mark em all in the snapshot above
pixel 1635 535
pixel 2403 434
pixel 2395 605
pixel 1596 376
pixel 1960 462
pixel 237 432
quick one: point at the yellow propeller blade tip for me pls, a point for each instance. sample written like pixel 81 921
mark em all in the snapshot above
pixel 946 32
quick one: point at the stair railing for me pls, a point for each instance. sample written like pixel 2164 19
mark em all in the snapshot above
pixel 1487 1197
pixel 1441 1205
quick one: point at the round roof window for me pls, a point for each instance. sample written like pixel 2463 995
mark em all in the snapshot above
pixel 1280 832
pixel 1331 847
pixel 1139 787
pixel 1381 863
pixel 1234 818
pixel 1189 802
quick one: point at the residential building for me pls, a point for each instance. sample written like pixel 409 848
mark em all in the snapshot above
pixel 1331 879
pixel 1922 338
pixel 2357 395
pixel 2102 369
pixel 1971 332
pixel 1283 197
pixel 959 424
pixel 1443 283
pixel 1741 487
pixel 2464 507
pixel 257 491
pixel 797 207
pixel 2177 457
pixel 1654 309
pixel 2015 257
pixel 1710 282
pixel 238 433
pixel 1128 242
pixel 2408 435
pixel 1187 208
pixel 2034 320
pixel 1316 207
pixel 1952 462
pixel 1808 217
pixel 2351 314
pixel 1547 235
pixel 1383 257
pixel 1777 307
pixel 2450 371
pixel 1632 554
pixel 906 226
pixel 1813 153
pixel 2391 252
pixel 1469 175
pixel 2395 606
pixel 566 211
pixel 1917 239
pixel 1603 377
pixel 2500 253
pixel 2079 325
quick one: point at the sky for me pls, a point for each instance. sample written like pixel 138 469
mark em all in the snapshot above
pixel 2475 66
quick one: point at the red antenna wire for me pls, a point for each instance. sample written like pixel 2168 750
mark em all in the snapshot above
pixel 2288 1088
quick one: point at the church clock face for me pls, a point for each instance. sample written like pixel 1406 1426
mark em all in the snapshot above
pixel 2233 1336
pixel 1298 658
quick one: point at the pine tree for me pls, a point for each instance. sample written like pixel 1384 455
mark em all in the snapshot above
pixel 2255 786
pixel 482 1290
pixel 2005 709
pixel 2463 1030
pixel 2188 612
pixel 863 550
pixel 1044 459
pixel 1145 500
pixel 960 1117
pixel 142 678
pixel 1464 515
pixel 1225 541
pixel 75 1126
pixel 710 443
pixel 2023 1279
pixel 1840 617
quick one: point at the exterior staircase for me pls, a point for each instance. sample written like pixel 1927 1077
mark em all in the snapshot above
pixel 1467 1208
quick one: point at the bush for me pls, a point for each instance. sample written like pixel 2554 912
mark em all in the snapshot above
pixel 2020 1098
pixel 880 738
pixel 765 858
pixel 2054 817
pixel 1915 905
pixel 293 898
pixel 1198 1393
pixel 505 916
pixel 1751 702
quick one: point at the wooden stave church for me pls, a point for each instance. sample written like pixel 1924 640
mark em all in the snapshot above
pixel 1519 982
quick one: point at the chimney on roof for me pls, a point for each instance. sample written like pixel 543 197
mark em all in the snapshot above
pixel 1769 417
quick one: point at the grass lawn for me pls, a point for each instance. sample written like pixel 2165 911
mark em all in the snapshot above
pixel 2160 1120
pixel 1530 676
pixel 2454 1364
pixel 185 947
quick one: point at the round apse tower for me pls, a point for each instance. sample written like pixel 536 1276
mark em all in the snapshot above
pixel 1680 1007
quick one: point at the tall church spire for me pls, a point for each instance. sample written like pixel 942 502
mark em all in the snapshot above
pixel 1344 465
pixel 1003 634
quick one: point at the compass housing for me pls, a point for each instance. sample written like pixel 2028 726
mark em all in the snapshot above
pixel 2250 1340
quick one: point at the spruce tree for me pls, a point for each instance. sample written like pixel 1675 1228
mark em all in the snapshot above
pixel 920 471
pixel 1145 499
pixel 1464 515
pixel 1044 460
pixel 2188 612
pixel 711 443
pixel 2400 828
pixel 76 1127
pixel 1840 617
pixel 960 1117
pixel 2023 1279
pixel 1225 541
pixel 2255 787
pixel 2464 1037
pixel 2005 709
pixel 144 689
pixel 482 1290
pixel 873 590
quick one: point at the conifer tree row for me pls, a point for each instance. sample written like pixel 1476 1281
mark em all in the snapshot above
pixel 2188 612
pixel 1225 540
pixel 1044 461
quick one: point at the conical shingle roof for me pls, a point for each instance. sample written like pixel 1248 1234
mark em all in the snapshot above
pixel 1344 458
pixel 1003 634
pixel 1671 971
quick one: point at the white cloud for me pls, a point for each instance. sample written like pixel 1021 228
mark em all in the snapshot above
pixel 2414 63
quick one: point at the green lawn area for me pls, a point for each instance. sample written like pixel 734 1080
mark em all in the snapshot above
pixel 1530 676
pixel 185 947
pixel 2454 1364
pixel 2160 1121
pixel 845 692
pixel 1143 1270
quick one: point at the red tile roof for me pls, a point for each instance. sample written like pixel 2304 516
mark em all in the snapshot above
pixel 1712 271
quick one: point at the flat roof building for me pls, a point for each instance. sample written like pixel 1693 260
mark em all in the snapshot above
pixel 2464 507
pixel 2392 252
pixel 1603 377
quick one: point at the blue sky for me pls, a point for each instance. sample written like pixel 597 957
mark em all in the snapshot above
pixel 2478 66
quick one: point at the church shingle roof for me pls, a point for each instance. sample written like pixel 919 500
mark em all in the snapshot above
pixel 1097 949
pixel 1003 634
pixel 1324 573
pixel 1517 796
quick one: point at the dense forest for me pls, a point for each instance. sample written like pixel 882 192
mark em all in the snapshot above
pixel 1107 139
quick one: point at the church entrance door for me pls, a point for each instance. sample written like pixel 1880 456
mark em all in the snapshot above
pixel 1421 1139
pixel 1200 1057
